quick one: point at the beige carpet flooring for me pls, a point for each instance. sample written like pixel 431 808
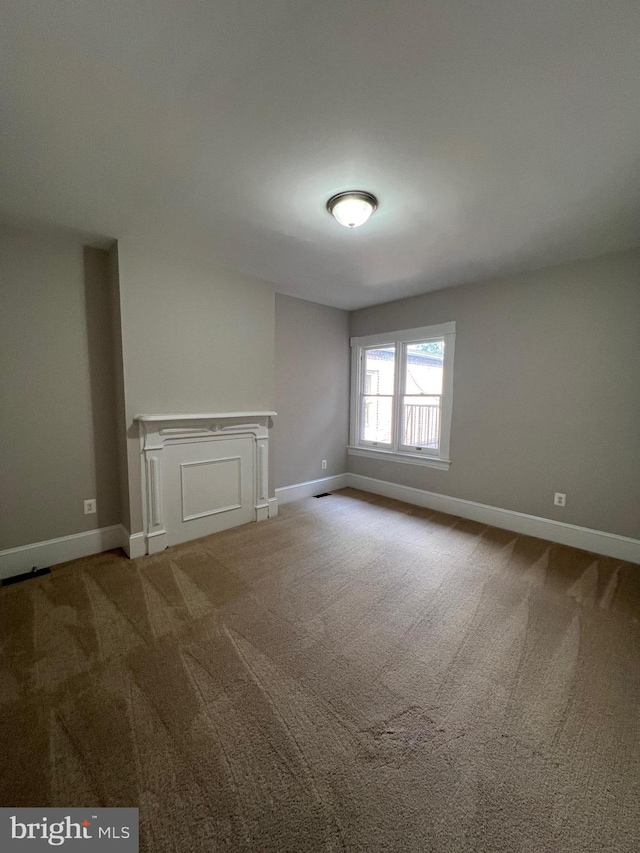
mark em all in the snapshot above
pixel 354 675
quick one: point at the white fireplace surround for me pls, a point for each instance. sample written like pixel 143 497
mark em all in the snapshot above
pixel 230 453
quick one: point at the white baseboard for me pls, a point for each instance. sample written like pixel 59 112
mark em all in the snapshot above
pixel 597 541
pixel 134 545
pixel 15 561
pixel 287 494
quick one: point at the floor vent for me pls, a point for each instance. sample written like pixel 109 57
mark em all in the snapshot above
pixel 323 495
pixel 34 573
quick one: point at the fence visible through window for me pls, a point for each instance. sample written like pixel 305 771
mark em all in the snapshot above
pixel 421 426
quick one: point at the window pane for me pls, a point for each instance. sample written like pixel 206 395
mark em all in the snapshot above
pixel 421 422
pixel 376 419
pixel 379 365
pixel 424 368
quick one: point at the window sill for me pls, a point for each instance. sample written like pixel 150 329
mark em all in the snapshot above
pixel 395 456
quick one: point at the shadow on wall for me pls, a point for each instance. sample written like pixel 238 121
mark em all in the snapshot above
pixel 102 384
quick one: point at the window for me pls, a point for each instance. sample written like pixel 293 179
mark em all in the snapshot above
pixel 401 395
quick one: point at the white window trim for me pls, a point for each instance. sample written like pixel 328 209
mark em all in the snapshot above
pixel 394 453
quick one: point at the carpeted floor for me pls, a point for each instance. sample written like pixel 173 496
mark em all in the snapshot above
pixel 354 675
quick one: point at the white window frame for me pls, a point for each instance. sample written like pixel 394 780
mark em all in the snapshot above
pixel 396 451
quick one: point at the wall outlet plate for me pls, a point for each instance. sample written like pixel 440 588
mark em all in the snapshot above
pixel 90 506
pixel 324 463
pixel 560 499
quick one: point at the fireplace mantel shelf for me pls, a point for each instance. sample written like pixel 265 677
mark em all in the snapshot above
pixel 203 416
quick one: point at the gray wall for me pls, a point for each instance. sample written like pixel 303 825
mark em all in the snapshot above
pixel 195 338
pixel 312 390
pixel 57 432
pixel 119 413
pixel 545 386
pixel 546 392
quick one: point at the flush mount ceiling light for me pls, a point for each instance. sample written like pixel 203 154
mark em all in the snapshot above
pixel 352 208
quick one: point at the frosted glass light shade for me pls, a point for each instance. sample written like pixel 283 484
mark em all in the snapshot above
pixel 352 209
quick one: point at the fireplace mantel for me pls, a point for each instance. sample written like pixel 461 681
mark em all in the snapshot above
pixel 196 469
pixel 207 416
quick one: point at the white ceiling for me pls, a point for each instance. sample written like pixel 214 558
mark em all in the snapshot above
pixel 498 135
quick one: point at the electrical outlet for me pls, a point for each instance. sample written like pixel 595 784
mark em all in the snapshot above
pixel 324 463
pixel 560 499
pixel 90 507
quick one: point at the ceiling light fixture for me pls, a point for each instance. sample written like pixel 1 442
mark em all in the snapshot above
pixel 352 208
